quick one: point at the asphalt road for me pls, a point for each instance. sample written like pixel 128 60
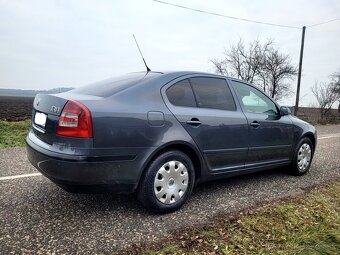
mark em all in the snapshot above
pixel 37 217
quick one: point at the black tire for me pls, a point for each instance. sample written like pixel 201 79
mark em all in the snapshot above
pixel 294 168
pixel 146 190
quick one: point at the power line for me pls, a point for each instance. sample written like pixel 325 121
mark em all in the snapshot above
pixel 325 22
pixel 263 23
pixel 242 19
pixel 226 16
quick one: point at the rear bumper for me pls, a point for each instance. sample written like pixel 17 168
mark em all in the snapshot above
pixel 114 173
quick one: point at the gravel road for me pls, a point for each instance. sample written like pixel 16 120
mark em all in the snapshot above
pixel 37 217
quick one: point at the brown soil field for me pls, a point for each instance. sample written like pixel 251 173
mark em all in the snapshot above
pixel 15 108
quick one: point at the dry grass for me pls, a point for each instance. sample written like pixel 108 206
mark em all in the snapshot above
pixel 308 224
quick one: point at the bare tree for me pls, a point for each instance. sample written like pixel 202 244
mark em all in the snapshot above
pixel 335 79
pixel 258 63
pixel 220 67
pixel 324 94
pixel 241 61
pixel 276 73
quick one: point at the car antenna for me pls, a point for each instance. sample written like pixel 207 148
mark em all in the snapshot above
pixel 147 68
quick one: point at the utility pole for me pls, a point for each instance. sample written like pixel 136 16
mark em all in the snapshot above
pixel 299 73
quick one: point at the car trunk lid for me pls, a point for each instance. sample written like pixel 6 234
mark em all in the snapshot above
pixel 45 116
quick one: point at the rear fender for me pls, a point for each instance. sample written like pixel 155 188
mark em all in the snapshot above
pixel 188 148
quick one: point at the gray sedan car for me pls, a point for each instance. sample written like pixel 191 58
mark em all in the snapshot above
pixel 160 133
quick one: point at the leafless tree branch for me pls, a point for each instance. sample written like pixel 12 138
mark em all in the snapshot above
pixel 259 63
pixel 324 94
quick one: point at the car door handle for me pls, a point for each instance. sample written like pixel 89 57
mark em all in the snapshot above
pixel 194 122
pixel 255 124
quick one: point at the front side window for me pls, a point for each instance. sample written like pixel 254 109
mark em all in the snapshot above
pixel 213 93
pixel 253 100
pixel 180 94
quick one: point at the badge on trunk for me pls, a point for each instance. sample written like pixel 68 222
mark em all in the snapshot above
pixel 55 109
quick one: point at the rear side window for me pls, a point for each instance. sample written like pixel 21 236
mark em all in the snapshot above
pixel 180 94
pixel 213 93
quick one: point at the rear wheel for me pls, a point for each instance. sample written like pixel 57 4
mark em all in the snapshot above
pixel 167 183
pixel 303 157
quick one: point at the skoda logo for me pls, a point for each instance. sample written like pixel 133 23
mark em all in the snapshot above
pixel 38 101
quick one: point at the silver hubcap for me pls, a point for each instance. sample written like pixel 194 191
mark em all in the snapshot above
pixel 171 182
pixel 304 156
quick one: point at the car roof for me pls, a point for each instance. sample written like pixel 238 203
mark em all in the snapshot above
pixel 181 73
pixel 177 74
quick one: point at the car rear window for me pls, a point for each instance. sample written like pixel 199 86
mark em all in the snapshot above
pixel 213 93
pixel 110 86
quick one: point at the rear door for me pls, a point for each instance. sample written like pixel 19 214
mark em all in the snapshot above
pixel 206 108
pixel 270 135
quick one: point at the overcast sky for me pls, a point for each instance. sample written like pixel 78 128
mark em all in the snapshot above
pixel 64 43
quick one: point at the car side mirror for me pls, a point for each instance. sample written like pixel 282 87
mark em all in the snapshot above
pixel 284 110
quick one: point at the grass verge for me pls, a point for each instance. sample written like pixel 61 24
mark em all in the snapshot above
pixel 307 224
pixel 12 134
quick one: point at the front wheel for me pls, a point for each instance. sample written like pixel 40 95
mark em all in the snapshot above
pixel 303 157
pixel 167 183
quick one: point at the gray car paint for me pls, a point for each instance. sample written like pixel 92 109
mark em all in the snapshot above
pixel 138 122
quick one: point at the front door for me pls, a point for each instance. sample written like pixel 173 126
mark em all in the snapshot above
pixel 270 134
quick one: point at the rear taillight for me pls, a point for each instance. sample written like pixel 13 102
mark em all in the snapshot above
pixel 75 121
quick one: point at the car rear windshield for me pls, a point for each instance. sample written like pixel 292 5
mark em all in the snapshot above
pixel 111 86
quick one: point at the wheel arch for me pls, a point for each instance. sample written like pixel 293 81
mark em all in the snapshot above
pixel 311 137
pixel 185 147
